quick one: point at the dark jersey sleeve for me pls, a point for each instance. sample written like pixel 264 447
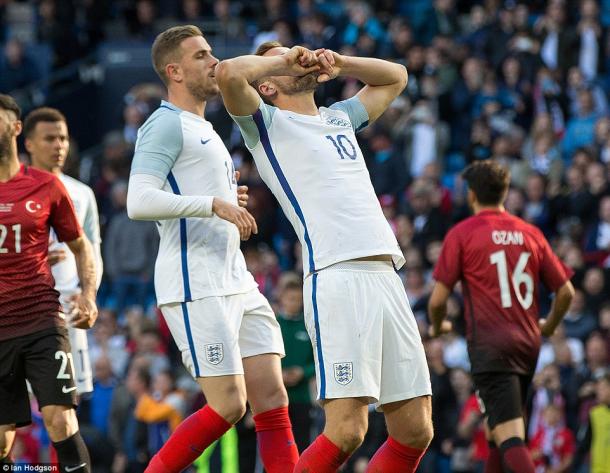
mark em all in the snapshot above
pixel 63 217
pixel 448 267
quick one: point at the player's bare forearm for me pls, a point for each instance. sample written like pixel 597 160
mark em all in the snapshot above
pixel 559 307
pixel 85 265
pixel 384 81
pixel 437 307
pixel 375 72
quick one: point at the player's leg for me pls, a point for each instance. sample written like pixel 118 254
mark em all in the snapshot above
pixel 405 382
pixel 502 398
pixel 261 345
pixel 7 437
pixel 50 370
pixel 345 326
pixel 14 397
pixel 206 333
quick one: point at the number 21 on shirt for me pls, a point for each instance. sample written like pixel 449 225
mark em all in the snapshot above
pixel 519 277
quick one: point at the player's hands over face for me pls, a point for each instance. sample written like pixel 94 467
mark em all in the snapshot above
pixel 84 311
pixel 242 193
pixel 56 256
pixel 330 64
pixel 238 216
pixel 300 61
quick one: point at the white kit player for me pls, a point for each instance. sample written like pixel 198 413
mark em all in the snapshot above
pixel 182 177
pixel 48 143
pixel 366 342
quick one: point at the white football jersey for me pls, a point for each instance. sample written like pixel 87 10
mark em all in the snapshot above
pixel 314 167
pixel 64 272
pixel 198 257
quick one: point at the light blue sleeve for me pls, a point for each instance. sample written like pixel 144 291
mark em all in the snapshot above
pixel 159 144
pixel 248 124
pixel 355 111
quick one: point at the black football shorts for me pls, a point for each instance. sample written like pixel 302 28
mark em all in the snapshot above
pixel 502 395
pixel 44 359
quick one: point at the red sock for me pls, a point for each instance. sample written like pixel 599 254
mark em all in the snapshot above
pixel 494 462
pixel 188 441
pixel 394 456
pixel 322 456
pixel 275 440
pixel 516 457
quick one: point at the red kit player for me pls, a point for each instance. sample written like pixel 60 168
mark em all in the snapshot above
pixel 33 337
pixel 500 259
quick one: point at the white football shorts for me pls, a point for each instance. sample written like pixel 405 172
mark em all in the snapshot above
pixel 215 333
pixel 364 335
pixel 83 374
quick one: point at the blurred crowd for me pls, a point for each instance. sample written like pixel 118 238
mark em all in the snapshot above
pixel 524 83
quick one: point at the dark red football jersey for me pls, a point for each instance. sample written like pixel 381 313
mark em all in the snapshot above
pixel 500 260
pixel 30 204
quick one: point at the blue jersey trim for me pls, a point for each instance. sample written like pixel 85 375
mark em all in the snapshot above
pixel 264 137
pixel 316 319
pixel 189 336
pixel 183 243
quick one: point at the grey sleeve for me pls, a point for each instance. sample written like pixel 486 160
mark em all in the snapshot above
pixel 356 112
pixel 248 124
pixel 159 144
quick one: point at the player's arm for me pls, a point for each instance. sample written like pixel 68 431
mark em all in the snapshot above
pixel 91 227
pixel 437 310
pixel 85 312
pixel 159 144
pixel 384 80
pixel 559 307
pixel 234 76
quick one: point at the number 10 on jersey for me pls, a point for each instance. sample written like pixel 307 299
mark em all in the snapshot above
pixel 518 278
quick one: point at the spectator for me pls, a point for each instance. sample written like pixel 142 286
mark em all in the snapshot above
pixel 17 69
pixel 553 445
pixel 578 322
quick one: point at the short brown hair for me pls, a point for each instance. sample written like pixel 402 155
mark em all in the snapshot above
pixel 488 180
pixel 166 45
pixel 8 103
pixel 42 114
pixel 261 51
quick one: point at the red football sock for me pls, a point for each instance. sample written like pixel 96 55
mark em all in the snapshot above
pixel 494 462
pixel 275 440
pixel 188 441
pixel 322 456
pixel 516 457
pixel 394 456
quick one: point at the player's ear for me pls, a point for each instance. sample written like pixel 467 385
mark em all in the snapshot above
pixel 17 127
pixel 174 72
pixel 267 89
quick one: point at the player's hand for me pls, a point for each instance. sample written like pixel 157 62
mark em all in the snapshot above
pixel 446 327
pixel 330 64
pixel 238 216
pixel 545 329
pixel 84 312
pixel 56 256
pixel 242 193
pixel 300 61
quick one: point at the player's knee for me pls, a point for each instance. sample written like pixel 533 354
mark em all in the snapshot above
pixel 350 435
pixel 232 410
pixel 418 435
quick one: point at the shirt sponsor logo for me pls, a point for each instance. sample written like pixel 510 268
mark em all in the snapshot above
pixel 344 372
pixel 504 237
pixel 214 353
pixel 6 207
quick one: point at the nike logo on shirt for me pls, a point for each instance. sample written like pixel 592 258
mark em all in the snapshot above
pixel 205 141
pixel 66 390
pixel 74 468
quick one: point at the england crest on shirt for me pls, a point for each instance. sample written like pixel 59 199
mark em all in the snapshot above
pixel 214 353
pixel 344 372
